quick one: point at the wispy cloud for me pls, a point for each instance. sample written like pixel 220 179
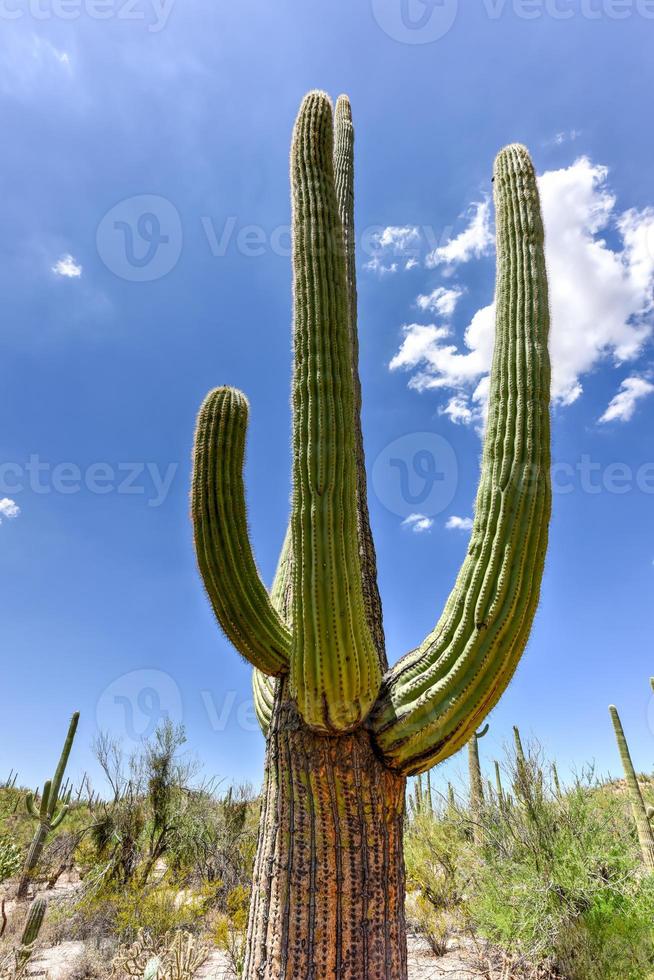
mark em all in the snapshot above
pixel 623 404
pixel 601 299
pixel 564 136
pixel 418 523
pixel 8 508
pixel 441 300
pixel 392 248
pixel 473 242
pixel 459 523
pixel 67 267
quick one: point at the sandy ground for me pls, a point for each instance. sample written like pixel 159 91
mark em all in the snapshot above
pixel 57 962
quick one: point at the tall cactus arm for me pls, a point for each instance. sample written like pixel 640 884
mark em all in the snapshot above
pixel 335 668
pixel 31 806
pixel 643 827
pixel 63 761
pixel 237 594
pixel 344 182
pixel 46 802
pixel 435 697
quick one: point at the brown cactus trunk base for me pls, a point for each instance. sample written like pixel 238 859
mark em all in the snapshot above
pixel 328 895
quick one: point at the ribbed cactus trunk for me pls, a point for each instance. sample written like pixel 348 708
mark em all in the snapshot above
pixel 329 874
pixel 343 730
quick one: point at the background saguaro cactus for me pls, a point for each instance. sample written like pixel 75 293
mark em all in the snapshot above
pixel 641 816
pixel 344 731
pixel 49 814
pixel 476 782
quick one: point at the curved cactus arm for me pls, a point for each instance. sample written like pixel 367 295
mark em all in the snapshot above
pixel 344 184
pixel 335 667
pixel 31 807
pixel 56 820
pixel 236 592
pixel 482 732
pixel 643 827
pixel 263 690
pixel 434 698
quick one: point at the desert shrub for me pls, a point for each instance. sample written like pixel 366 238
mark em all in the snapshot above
pixel 230 928
pixel 10 858
pixel 554 880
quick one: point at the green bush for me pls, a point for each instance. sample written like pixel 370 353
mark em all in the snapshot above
pixel 10 858
pixel 554 879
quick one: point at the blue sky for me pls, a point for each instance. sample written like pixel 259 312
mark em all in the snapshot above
pixel 145 260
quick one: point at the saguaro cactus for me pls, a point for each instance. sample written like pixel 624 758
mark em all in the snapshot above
pixel 641 818
pixel 47 815
pixel 344 731
pixel 476 783
pixel 30 934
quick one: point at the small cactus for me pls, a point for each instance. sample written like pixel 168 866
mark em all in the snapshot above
pixel 48 815
pixel 31 932
pixel 641 818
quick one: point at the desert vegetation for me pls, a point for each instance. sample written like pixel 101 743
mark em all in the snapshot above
pixel 518 873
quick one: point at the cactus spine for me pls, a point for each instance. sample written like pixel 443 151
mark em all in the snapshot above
pixel 49 815
pixel 343 730
pixel 643 826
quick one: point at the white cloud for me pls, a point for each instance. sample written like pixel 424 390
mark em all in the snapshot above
pixel 623 404
pixel 441 300
pixel 418 523
pixel 389 244
pixel 459 523
pixel 601 298
pixel 8 509
pixel 474 241
pixel 67 267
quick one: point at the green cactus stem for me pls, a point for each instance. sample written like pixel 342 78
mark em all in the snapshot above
pixel 643 826
pixel 33 924
pixel 429 797
pixel 499 789
pixel 49 814
pixel 343 730
pixel 477 798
